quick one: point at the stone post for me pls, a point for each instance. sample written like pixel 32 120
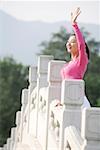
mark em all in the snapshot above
pixel 13 130
pixel 32 85
pixel 8 143
pixel 53 90
pixel 90 130
pixel 18 120
pixel 41 80
pixel 5 147
pixel 24 101
pixel 32 78
pixel 72 96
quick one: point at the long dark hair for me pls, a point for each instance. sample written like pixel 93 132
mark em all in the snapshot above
pixel 87 48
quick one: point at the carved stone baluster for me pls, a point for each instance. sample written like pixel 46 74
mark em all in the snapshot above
pixel 72 100
pixel 41 81
pixel 90 130
pixel 53 89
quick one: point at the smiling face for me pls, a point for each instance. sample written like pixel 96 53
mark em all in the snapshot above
pixel 71 45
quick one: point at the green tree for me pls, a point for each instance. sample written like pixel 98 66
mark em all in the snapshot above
pixel 92 79
pixel 56 47
pixel 13 77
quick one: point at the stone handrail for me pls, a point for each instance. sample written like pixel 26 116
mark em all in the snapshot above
pixel 89 136
pixel 73 139
pixel 42 71
pixel 53 91
pixel 69 113
pixel 58 127
pixel 54 83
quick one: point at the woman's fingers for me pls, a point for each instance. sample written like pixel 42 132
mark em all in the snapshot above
pixel 75 14
pixel 71 14
pixel 78 11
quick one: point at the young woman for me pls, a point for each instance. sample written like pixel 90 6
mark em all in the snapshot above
pixel 76 46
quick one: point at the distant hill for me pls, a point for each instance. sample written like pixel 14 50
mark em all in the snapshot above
pixel 20 39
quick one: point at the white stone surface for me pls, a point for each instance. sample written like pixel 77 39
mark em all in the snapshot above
pixel 8 143
pixel 54 68
pixel 24 96
pixel 43 63
pixel 13 132
pixel 71 113
pixel 33 129
pixel 53 90
pixel 73 137
pixel 90 130
pixel 18 118
pixel 74 94
pixel 32 74
pixel 91 124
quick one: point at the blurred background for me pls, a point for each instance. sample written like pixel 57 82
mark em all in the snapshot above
pixel 31 28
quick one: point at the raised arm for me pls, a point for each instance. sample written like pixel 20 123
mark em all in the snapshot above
pixel 79 36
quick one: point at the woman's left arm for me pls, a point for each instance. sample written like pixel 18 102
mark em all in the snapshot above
pixel 79 38
pixel 78 34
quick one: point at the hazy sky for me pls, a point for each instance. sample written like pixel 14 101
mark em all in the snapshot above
pixel 51 11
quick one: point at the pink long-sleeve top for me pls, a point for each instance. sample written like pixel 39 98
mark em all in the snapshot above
pixel 75 69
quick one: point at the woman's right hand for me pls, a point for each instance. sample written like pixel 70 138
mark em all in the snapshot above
pixel 75 14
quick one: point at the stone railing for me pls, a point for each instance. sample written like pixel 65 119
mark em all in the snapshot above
pixel 51 116
pixel 89 136
pixel 47 95
pixel 69 113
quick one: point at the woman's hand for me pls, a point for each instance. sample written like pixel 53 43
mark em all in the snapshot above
pixel 75 14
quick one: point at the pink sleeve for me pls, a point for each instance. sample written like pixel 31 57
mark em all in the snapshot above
pixel 80 42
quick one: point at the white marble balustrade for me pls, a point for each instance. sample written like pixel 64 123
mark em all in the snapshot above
pixel 69 113
pixel 89 136
pixel 51 116
pixel 42 71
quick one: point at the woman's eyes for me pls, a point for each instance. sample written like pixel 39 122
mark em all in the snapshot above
pixel 71 42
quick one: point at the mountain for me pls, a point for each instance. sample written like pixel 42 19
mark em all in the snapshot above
pixel 21 39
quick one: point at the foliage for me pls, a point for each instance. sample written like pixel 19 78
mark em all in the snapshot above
pixel 13 77
pixel 92 79
pixel 56 47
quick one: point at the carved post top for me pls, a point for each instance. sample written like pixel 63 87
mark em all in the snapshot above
pixel 43 63
pixel 32 74
pixel 8 143
pixel 72 92
pixel 54 68
pixel 5 147
pixel 13 133
pixel 24 98
pixel 90 128
pixel 8 140
pixel 18 118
